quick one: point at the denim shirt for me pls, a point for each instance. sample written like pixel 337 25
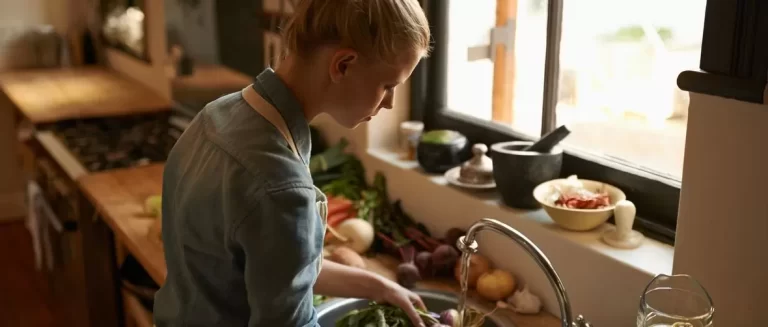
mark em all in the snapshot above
pixel 241 232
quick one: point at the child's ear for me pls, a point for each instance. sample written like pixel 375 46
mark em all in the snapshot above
pixel 340 63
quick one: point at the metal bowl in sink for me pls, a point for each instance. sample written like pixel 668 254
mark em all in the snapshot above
pixel 328 313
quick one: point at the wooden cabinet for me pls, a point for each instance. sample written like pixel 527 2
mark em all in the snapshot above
pixel 134 313
pixel 11 188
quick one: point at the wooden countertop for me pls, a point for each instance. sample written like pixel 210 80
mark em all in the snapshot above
pixel 119 196
pixel 48 95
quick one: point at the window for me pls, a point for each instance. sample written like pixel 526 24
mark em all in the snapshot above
pixel 606 68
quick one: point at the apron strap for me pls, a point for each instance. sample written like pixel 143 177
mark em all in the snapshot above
pixel 270 113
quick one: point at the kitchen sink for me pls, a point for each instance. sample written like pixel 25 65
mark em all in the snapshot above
pixel 436 301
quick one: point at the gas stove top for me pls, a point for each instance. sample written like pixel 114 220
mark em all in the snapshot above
pixel 118 142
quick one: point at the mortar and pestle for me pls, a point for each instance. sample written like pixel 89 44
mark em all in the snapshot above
pixel 520 166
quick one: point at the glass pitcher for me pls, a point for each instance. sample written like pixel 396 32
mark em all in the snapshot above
pixel 675 301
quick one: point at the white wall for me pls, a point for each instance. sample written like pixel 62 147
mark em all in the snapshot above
pixel 382 133
pixel 723 224
pixel 32 12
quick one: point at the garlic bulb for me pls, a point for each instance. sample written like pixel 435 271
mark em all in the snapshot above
pixel 525 302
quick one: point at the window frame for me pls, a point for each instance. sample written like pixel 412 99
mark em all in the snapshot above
pixel 656 196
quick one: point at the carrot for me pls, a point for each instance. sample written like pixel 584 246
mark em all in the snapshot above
pixel 337 218
pixel 338 204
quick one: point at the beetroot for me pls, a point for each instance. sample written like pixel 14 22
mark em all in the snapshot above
pixel 452 235
pixel 444 256
pixel 407 272
pixel 424 263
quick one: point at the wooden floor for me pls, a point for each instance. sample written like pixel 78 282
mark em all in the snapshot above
pixel 22 287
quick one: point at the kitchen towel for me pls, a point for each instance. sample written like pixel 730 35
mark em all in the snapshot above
pixel 39 218
pixel 33 223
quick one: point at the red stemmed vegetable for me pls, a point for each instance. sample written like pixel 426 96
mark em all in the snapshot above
pixel 407 272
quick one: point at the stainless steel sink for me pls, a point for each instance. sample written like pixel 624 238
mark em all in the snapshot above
pixel 436 301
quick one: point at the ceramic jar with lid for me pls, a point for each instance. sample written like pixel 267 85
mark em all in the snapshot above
pixel 479 169
pixel 475 173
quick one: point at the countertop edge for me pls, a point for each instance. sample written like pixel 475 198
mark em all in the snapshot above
pixel 138 244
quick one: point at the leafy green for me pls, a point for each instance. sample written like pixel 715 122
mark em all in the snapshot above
pixel 330 158
pixel 382 315
pixel 391 224
pixel 318 299
pixel 350 182
pixel 381 212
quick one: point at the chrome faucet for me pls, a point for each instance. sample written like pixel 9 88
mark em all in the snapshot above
pixel 467 244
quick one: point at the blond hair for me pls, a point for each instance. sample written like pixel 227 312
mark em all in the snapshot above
pixel 380 29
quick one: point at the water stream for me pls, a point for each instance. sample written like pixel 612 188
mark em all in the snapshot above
pixel 464 283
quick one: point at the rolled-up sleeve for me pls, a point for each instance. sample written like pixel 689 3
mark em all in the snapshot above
pixel 281 246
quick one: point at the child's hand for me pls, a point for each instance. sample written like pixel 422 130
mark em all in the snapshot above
pixel 394 294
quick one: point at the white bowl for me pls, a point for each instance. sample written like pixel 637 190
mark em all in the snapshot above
pixel 577 219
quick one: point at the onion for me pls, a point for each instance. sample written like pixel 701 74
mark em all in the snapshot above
pixel 478 265
pixel 496 285
pixel 450 317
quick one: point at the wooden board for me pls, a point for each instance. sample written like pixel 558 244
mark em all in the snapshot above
pixel 48 95
pixel 119 196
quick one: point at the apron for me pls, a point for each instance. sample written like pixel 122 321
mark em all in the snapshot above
pixel 270 113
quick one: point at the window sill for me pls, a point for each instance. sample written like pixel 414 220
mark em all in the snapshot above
pixel 651 258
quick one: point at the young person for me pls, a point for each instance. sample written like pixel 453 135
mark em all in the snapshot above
pixel 243 225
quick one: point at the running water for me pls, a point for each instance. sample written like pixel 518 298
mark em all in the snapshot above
pixel 464 286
